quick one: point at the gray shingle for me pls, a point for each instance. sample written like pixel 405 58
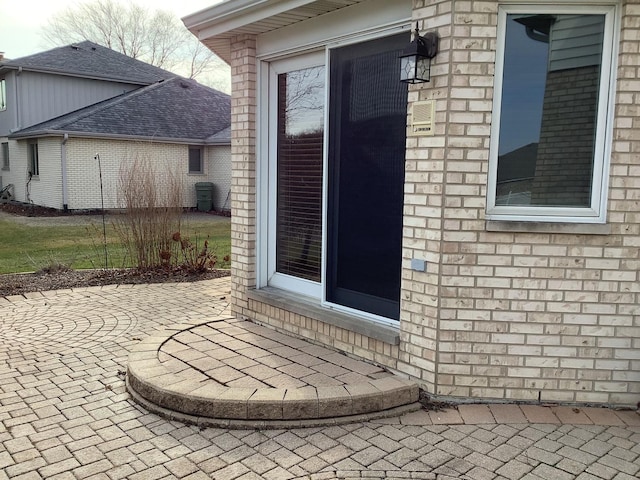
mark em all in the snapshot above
pixel 88 59
pixel 177 109
pixel 223 136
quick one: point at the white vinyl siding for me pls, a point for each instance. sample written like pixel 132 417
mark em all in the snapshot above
pixel 45 96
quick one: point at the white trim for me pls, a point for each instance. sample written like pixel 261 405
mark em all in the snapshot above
pixel 234 14
pixel 268 69
pixel 268 147
pixel 325 181
pixel 297 285
pixel 364 20
pixel 262 174
pixel 604 127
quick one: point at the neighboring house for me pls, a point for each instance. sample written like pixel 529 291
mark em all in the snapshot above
pixel 65 107
pixel 364 223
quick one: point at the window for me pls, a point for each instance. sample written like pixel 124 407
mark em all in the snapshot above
pixel 5 156
pixel 195 160
pixel 550 137
pixel 34 164
pixel 3 94
pixel 297 174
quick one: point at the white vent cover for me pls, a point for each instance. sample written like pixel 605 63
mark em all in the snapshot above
pixel 423 118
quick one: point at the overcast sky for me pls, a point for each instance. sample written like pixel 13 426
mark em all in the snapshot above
pixel 22 20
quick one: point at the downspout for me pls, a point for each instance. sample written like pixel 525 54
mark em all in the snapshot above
pixel 63 166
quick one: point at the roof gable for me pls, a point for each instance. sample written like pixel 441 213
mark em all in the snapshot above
pixel 90 60
pixel 176 109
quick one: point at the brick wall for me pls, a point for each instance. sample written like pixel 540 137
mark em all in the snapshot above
pixel 423 210
pixel 17 173
pixel 538 314
pixel 352 343
pixel 243 161
pixel 45 189
pixel 528 316
pixel 84 178
pixel 116 155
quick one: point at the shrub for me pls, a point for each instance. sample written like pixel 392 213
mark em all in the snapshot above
pixel 193 258
pixel 152 211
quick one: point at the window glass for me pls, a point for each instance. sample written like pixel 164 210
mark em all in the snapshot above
pixel 5 156
pixel 366 171
pixel 34 164
pixel 299 172
pixel 549 110
pixel 195 160
pixel 3 94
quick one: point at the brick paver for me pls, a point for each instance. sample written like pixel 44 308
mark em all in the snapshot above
pixel 196 370
pixel 65 412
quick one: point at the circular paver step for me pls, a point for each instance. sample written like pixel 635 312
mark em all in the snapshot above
pixel 225 370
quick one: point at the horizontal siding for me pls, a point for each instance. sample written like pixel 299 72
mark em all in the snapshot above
pixel 576 41
pixel 44 96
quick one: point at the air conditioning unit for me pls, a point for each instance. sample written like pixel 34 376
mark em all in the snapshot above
pixel 6 193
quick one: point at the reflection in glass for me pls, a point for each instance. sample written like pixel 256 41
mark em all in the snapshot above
pixel 549 105
pixel 299 175
pixel 366 167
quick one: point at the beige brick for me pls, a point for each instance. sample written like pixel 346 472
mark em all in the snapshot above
pixel 553 303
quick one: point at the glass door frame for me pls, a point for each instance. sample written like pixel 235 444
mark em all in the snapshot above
pixel 274 278
pixel 266 169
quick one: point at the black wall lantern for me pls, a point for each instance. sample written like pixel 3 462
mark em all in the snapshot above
pixel 415 60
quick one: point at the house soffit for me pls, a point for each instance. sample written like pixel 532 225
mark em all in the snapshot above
pixel 215 26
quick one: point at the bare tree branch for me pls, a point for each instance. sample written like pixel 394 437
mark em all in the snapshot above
pixel 156 37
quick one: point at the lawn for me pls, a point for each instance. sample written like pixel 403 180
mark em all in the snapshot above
pixel 27 248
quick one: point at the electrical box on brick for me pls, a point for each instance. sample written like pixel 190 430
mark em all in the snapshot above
pixel 423 118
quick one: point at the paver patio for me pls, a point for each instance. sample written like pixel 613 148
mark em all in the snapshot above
pixel 65 412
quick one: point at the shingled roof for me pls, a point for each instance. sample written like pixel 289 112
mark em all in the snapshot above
pixel 90 60
pixel 173 110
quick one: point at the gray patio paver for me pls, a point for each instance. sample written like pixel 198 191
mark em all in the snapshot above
pixel 65 413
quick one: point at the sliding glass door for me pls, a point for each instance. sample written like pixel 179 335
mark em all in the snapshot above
pixel 354 169
pixel 367 134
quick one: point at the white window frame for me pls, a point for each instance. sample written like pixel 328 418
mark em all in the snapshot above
pixel 33 158
pixel 201 150
pixel 273 69
pixel 596 213
pixel 6 162
pixel 3 94
pixel 358 23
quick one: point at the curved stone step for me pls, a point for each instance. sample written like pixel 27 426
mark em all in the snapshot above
pixel 225 370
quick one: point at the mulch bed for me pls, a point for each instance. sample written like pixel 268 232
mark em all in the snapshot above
pixel 27 210
pixel 21 283
pixel 63 278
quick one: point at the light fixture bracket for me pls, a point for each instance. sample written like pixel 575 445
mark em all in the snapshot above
pixel 415 59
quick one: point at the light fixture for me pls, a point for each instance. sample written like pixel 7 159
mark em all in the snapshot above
pixel 415 60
